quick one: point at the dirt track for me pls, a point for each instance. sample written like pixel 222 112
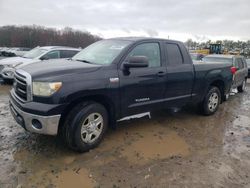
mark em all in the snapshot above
pixel 181 149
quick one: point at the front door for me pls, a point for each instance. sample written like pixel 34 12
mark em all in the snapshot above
pixel 143 88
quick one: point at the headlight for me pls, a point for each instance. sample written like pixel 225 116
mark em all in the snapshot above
pixel 46 88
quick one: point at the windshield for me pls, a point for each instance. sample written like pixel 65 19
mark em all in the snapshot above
pixel 218 60
pixel 34 53
pixel 248 62
pixel 103 52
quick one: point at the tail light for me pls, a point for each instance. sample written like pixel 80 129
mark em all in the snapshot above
pixel 233 70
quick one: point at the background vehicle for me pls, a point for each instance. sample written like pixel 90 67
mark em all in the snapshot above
pixel 248 65
pixel 3 51
pixel 11 52
pixel 197 56
pixel 109 80
pixel 19 51
pixel 239 68
pixel 9 65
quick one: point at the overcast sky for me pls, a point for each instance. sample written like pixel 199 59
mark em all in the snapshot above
pixel 196 19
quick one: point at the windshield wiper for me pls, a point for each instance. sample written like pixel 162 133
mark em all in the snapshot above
pixel 84 61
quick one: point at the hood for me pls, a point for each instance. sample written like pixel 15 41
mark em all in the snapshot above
pixel 53 68
pixel 14 60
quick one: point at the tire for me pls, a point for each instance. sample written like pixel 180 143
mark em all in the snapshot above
pixel 242 87
pixel 81 131
pixel 211 101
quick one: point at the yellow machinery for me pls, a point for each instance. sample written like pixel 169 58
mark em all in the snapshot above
pixel 215 48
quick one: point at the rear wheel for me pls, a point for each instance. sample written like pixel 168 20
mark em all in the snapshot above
pixel 211 101
pixel 85 126
pixel 242 87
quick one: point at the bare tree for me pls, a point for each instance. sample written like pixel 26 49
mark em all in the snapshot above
pixel 32 36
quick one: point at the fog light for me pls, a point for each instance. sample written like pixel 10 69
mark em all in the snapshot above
pixel 36 124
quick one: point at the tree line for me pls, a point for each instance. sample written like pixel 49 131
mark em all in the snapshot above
pixel 229 45
pixel 32 36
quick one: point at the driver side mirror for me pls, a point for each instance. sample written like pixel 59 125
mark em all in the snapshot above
pixel 44 58
pixel 136 62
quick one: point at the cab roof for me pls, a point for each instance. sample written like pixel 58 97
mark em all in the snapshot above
pixel 138 39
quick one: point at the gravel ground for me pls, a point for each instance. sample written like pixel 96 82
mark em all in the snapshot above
pixel 181 149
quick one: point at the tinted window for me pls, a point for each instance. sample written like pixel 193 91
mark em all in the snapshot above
pixel 67 53
pixel 52 55
pixel 244 62
pixel 239 63
pixel 151 51
pixel 174 54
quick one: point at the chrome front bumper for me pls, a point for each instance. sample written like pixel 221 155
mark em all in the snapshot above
pixel 49 124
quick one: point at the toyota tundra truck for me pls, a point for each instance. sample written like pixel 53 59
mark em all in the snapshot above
pixel 79 98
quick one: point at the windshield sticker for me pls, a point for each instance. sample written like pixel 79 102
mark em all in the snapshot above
pixel 116 47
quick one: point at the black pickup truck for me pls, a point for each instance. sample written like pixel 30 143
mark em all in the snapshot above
pixel 111 79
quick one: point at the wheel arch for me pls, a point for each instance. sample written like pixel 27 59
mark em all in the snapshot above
pixel 220 84
pixel 101 99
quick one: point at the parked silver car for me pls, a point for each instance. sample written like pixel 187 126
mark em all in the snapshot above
pixel 9 65
pixel 239 68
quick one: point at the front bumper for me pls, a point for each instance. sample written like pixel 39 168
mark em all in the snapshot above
pixel 8 73
pixel 48 124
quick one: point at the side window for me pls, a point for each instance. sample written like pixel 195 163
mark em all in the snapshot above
pixel 244 62
pixel 151 51
pixel 52 55
pixel 236 63
pixel 174 54
pixel 67 53
pixel 239 63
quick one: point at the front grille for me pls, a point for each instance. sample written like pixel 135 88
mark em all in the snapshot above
pixel 22 83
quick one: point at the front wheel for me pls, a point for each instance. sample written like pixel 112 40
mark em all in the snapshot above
pixel 211 101
pixel 242 87
pixel 85 126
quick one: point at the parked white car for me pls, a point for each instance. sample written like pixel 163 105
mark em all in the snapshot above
pixel 9 65
pixel 18 51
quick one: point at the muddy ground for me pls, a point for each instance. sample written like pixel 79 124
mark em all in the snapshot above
pixel 181 149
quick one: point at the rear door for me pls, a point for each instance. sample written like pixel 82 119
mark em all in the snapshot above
pixel 143 89
pixel 180 75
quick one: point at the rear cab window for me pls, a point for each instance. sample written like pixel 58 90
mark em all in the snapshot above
pixel 174 54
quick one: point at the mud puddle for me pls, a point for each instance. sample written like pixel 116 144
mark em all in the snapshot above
pixel 182 149
pixel 4 89
pixel 237 137
pixel 154 142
